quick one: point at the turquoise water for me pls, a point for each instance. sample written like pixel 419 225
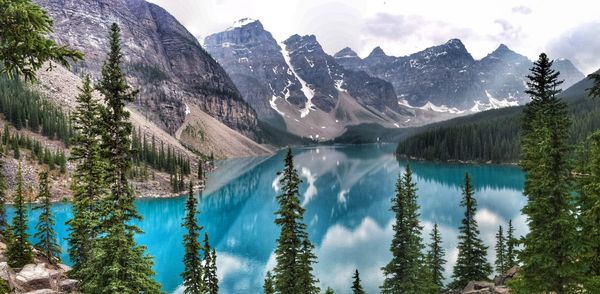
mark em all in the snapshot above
pixel 346 192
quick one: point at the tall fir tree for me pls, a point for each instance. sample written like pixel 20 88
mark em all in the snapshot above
pixel 294 257
pixel 192 260
pixel 18 248
pixel 329 291
pixel 511 246
pixel 88 183
pixel 211 281
pixel 589 202
pixel 268 285
pixel 3 219
pixel 551 246
pixel 403 273
pixel 45 233
pixel 471 264
pixel 501 264
pixel 118 264
pixel 356 286
pixel 435 261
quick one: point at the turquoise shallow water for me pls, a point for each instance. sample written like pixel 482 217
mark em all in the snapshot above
pixel 346 191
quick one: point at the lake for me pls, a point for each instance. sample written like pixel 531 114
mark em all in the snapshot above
pixel 346 192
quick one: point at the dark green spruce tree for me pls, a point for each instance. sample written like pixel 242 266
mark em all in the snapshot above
pixel 329 291
pixel 268 285
pixel 118 264
pixel 192 260
pixel 588 186
pixel 356 286
pixel 18 248
pixel 293 255
pixel 88 184
pixel 45 233
pixel 3 219
pixel 511 244
pixel 435 261
pixel 501 265
pixel 211 281
pixel 403 273
pixel 471 264
pixel 550 248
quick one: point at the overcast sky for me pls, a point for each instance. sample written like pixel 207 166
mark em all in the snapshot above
pixel 568 29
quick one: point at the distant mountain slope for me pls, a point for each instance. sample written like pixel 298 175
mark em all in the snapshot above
pixel 494 135
pixel 447 77
pixel 161 57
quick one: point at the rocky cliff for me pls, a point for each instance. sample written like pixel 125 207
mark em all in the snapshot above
pixel 161 57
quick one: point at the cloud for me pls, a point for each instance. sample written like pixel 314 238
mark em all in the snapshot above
pixel 521 10
pixel 509 32
pixel 581 45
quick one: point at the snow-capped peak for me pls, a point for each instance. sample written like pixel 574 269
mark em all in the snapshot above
pixel 242 22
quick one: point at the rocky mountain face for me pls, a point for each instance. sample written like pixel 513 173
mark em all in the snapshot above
pixel 161 58
pixel 447 78
pixel 295 85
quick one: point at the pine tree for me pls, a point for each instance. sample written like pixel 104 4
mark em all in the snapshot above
pixel 501 265
pixel 511 243
pixel 328 291
pixel 403 273
pixel 3 219
pixel 213 285
pixel 200 171
pixel 18 247
pixel 589 202
pixel 207 262
pixel 118 264
pixel 192 274
pixel 88 183
pixel 356 287
pixel 25 44
pixel 293 254
pixel 551 245
pixel 268 286
pixel 45 233
pixel 435 261
pixel 471 264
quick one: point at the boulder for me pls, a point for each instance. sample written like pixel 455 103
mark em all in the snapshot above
pixel 68 285
pixel 478 285
pixel 34 277
pixel 43 291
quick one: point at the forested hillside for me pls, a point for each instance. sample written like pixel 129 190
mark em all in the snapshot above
pixel 493 136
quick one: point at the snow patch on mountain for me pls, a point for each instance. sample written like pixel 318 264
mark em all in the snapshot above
pixel 441 108
pixel 240 23
pixel 308 92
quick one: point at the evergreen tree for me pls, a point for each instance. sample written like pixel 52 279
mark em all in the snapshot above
pixel 45 233
pixel 3 219
pixel 268 285
pixel 88 183
pixel 118 264
pixel 435 261
pixel 589 202
pixel 356 287
pixel 207 263
pixel 192 274
pixel 511 243
pixel 213 281
pixel 403 273
pixel 18 248
pixel 501 264
pixel 328 291
pixel 25 44
pixel 293 254
pixel 471 264
pixel 200 171
pixel 551 245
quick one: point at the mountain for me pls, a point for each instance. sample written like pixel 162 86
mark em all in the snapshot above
pixel 447 78
pixel 493 135
pixel 183 90
pixel 295 86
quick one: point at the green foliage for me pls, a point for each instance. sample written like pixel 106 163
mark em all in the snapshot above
pixel 4 287
pixel 328 291
pixel 117 263
pixel 45 233
pixel 403 273
pixel 294 253
pixel 43 155
pixel 551 246
pixel 3 197
pixel 192 274
pixel 471 264
pixel 501 262
pixel 87 183
pixel 356 287
pixel 25 108
pixel 435 261
pixel 24 41
pixel 511 244
pixel 18 248
pixel 268 286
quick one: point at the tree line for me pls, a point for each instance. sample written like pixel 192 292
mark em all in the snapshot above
pixel 54 159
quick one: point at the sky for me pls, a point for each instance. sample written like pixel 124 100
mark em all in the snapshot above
pixel 563 29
